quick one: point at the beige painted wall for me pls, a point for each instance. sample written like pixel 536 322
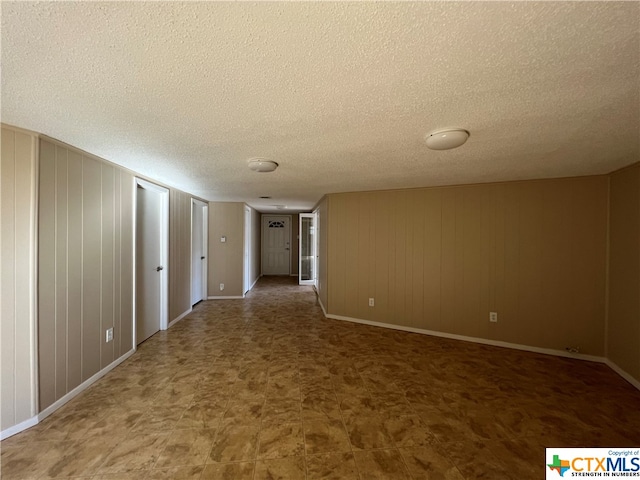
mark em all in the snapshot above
pixel 85 267
pixel 226 259
pixel 442 258
pixel 623 326
pixel 17 279
pixel 179 253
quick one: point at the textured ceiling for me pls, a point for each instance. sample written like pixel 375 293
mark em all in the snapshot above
pixel 340 94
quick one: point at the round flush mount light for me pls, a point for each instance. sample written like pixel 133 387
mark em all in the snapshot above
pixel 262 165
pixel 446 138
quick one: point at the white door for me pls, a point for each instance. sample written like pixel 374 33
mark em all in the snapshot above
pixel 276 245
pixel 307 265
pixel 198 252
pixel 247 249
pixel 149 266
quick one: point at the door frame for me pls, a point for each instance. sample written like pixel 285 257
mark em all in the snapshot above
pixel 316 224
pixel 262 242
pixel 164 252
pixel 205 247
pixel 246 281
pixel 314 247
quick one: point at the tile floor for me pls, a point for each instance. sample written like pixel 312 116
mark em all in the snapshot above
pixel 266 388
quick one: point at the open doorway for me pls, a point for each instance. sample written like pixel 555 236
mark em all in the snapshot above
pixel 199 228
pixel 307 248
pixel 247 251
pixel 152 254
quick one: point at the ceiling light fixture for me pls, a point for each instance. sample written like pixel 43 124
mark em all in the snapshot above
pixel 262 165
pixel 446 138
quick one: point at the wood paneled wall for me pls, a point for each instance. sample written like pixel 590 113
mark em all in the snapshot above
pixel 623 326
pixel 179 253
pixel 226 259
pixel 442 258
pixel 85 276
pixel 17 291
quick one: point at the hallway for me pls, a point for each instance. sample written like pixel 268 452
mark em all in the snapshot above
pixel 267 388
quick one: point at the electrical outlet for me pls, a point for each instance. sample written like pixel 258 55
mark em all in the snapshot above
pixel 109 335
pixel 221 286
pixel 371 302
pixel 493 317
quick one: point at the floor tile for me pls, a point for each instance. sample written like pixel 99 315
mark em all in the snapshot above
pixel 332 466
pixel 83 458
pixel 136 452
pixel 279 441
pixel 366 433
pixel 202 415
pixel 280 469
pixel 159 418
pixel 474 459
pixel 186 447
pixel 360 406
pixel 116 424
pixel 32 461
pixel 381 465
pixel 234 444
pixel 138 475
pixel 243 408
pixel 409 431
pixel 427 463
pixel 176 473
pixel 320 406
pixel 324 436
pixel 269 379
pixel 278 410
pixel 229 471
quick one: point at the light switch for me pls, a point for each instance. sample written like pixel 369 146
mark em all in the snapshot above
pixel 223 239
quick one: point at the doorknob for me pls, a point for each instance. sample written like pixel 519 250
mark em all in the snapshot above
pixel 201 258
pixel 159 268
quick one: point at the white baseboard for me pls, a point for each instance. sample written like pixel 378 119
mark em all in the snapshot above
pixel 495 343
pixel 61 401
pixel 18 428
pixel 180 317
pixel 226 298
pixel 251 287
pixel 623 374
pixel 483 341
pixel 324 310
pixel 83 386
